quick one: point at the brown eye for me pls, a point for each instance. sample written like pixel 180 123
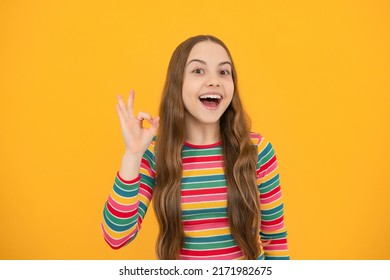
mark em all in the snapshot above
pixel 225 72
pixel 197 71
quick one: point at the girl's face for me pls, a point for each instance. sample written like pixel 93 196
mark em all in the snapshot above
pixel 207 84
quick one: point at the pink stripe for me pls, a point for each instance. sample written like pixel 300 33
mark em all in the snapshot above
pixel 272 228
pixel 147 168
pixel 200 159
pixel 204 221
pixel 145 193
pixel 204 198
pixel 232 256
pixel 268 170
pixel 122 207
pixel 195 166
pixel 271 199
pixel 256 136
pixel 276 247
pixel 206 226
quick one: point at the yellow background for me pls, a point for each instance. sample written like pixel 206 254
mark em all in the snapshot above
pixel 314 77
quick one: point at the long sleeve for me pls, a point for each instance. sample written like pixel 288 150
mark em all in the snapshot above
pixel 127 204
pixel 273 232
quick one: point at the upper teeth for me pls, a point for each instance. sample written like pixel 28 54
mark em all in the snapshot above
pixel 210 96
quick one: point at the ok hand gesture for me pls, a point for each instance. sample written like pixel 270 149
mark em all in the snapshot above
pixel 137 138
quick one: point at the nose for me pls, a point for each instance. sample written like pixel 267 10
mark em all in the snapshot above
pixel 213 81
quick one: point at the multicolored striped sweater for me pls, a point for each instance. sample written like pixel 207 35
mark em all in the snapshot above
pixel 203 203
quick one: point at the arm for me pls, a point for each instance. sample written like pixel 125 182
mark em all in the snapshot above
pixel 128 202
pixel 273 233
pixel 133 188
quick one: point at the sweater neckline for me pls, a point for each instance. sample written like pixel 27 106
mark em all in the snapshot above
pixel 195 146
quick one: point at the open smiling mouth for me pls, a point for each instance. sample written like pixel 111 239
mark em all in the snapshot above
pixel 210 101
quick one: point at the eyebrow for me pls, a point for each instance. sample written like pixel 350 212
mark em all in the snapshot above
pixel 204 62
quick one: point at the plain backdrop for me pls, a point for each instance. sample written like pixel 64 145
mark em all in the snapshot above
pixel 313 75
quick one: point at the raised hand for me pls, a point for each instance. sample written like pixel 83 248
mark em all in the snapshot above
pixel 137 138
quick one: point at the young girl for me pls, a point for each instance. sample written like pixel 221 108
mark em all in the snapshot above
pixel 215 185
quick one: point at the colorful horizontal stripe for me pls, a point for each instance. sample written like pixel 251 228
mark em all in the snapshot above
pixel 203 203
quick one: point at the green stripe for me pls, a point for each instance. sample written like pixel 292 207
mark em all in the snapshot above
pixel 147 180
pixel 266 236
pixel 270 184
pixel 265 189
pixel 272 216
pixel 119 221
pixel 202 185
pixel 277 258
pixel 205 246
pixel 267 157
pixel 207 152
pixel 130 187
pixel 204 216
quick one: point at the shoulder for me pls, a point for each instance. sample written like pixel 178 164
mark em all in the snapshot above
pixel 262 143
pixel 256 138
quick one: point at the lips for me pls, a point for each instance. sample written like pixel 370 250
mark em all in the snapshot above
pixel 210 101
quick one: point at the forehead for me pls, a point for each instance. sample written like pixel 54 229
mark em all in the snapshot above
pixel 208 51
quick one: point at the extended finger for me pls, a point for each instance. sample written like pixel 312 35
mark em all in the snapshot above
pixel 130 102
pixel 122 108
pixel 120 115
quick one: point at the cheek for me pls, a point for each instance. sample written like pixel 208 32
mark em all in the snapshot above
pixel 191 87
pixel 184 88
pixel 230 88
pixel 186 94
pixel 186 84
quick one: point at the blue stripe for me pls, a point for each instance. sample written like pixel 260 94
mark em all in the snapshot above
pixel 276 258
pixel 273 210
pixel 265 151
pixel 142 207
pixel 124 193
pixel 261 257
pixel 270 181
pixel 267 236
pixel 149 156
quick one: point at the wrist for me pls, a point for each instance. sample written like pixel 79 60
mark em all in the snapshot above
pixel 130 166
pixel 129 154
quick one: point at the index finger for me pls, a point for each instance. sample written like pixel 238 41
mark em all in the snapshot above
pixel 130 102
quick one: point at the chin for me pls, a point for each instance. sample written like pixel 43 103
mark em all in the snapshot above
pixel 210 121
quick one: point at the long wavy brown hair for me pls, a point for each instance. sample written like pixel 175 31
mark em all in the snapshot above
pixel 239 156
